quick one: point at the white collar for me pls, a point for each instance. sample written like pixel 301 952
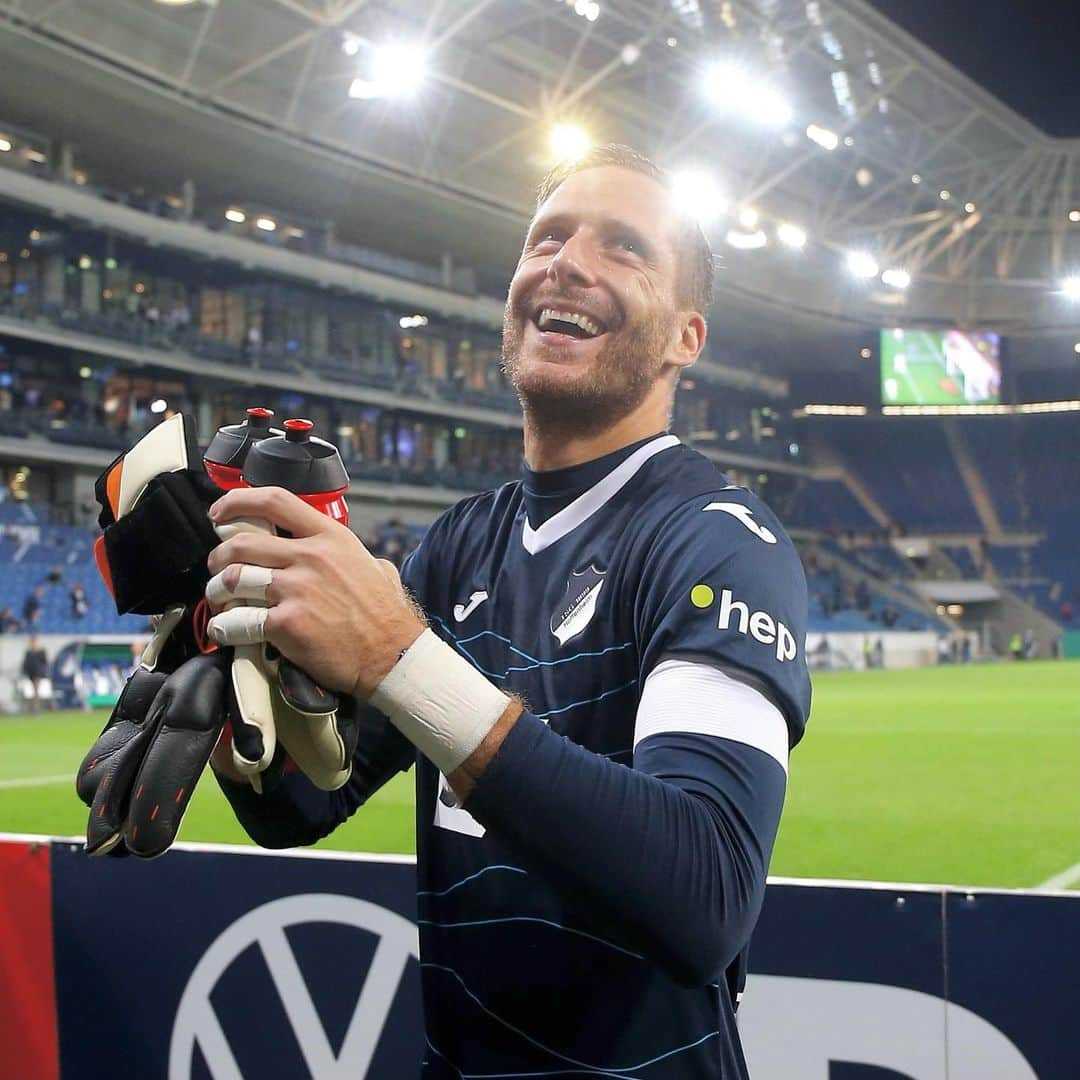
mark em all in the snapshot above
pixel 588 502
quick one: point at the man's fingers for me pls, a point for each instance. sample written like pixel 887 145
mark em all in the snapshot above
pixel 239 626
pixel 273 504
pixel 238 582
pixel 255 548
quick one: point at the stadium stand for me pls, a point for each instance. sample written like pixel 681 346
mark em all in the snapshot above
pixel 911 471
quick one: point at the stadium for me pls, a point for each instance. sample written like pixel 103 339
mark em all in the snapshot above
pixel 315 207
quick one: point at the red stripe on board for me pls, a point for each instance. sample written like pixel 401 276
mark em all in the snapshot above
pixel 27 991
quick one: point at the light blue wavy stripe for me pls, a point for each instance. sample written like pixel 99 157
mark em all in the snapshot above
pixel 601 1069
pixel 510 1076
pixel 530 919
pixel 471 877
pixel 534 662
pixel 586 701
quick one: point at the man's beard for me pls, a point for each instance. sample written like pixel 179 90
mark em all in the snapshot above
pixel 616 382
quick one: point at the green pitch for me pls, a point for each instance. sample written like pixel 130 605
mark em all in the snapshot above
pixel 958 775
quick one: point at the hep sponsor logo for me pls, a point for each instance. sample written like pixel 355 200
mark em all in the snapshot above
pixel 736 615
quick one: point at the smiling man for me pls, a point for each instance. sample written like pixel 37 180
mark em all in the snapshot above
pixel 598 674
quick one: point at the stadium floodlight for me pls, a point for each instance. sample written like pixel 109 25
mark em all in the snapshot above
pixel 1070 288
pixel 235 214
pixel 791 236
pixel 746 241
pixel 944 194
pixel 826 139
pixel 267 224
pixel 350 44
pixel 748 217
pixel 587 9
pixel 398 69
pixel 862 264
pixel 158 406
pixel 969 208
pixel 1074 215
pixel 697 195
pixel 1076 348
pixel 735 89
pixel 5 144
pixel 568 142
pixel 85 262
pixel 916 178
pixel 896 278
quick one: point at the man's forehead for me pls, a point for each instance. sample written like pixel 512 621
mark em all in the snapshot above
pixel 613 191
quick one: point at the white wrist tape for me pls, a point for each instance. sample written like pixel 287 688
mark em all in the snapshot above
pixel 439 702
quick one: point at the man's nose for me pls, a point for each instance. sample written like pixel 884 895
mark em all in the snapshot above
pixel 574 263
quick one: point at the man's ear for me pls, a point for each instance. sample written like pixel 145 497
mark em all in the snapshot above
pixel 691 339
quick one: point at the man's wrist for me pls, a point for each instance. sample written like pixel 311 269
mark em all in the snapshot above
pixel 439 702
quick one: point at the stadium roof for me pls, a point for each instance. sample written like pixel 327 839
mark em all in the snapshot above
pixel 930 174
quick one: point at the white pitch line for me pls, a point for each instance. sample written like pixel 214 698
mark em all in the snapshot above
pixel 1067 877
pixel 37 781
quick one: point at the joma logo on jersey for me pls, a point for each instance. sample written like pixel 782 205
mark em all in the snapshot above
pixel 759 625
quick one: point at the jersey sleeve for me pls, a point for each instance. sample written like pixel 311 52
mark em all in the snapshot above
pixel 722 585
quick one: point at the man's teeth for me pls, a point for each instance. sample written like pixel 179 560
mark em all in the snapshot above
pixel 549 315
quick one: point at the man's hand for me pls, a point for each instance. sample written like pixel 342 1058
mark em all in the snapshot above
pixel 333 609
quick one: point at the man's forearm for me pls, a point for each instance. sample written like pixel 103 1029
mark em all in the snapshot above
pixel 675 867
pixel 464 779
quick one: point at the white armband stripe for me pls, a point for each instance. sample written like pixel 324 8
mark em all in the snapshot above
pixel 698 699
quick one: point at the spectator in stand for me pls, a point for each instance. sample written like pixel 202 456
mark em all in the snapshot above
pixel 1016 647
pixel 1066 611
pixel 862 595
pixel 55 575
pixel 9 624
pixel 32 606
pixel 35 675
pixel 890 616
pixel 79 603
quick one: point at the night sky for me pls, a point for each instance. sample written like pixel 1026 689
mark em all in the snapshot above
pixel 1026 54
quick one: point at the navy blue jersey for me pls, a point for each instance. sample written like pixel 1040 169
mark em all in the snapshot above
pixel 587 912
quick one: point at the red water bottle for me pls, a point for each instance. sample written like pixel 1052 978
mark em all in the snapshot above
pixel 303 464
pixel 228 450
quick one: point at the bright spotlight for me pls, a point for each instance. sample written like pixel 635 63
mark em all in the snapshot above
pixel 733 88
pixel 397 70
pixel 896 278
pixel 1076 348
pixel 916 178
pixel 350 44
pixel 862 264
pixel 748 217
pixel 746 241
pixel 826 139
pixel 158 405
pixel 696 194
pixel 568 142
pixel 791 236
pixel 234 213
pixel 1070 288
pixel 944 194
pixel 267 224
pixel 1074 215
pixel 5 145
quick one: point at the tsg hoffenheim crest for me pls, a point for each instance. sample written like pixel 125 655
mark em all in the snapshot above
pixel 578 605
